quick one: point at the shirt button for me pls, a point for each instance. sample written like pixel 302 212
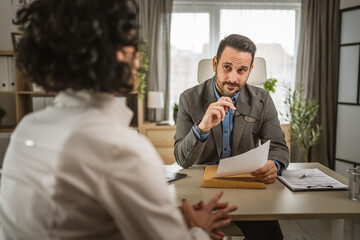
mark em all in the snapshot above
pixel 225 149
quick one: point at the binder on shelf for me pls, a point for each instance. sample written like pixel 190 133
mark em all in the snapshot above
pixel 310 180
pixel 11 73
pixel 4 75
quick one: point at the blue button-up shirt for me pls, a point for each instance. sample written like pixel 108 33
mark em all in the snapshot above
pixel 227 126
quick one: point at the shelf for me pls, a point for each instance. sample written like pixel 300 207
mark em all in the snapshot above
pixel 37 93
pixel 8 92
pixel 6 53
pixel 7 128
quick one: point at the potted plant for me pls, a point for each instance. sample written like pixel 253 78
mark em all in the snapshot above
pixel 140 84
pixel 270 84
pixel 301 115
pixel 175 111
pixel 2 114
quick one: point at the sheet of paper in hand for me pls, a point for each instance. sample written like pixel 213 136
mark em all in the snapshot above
pixel 244 163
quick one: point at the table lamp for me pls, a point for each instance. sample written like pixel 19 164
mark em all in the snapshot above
pixel 155 101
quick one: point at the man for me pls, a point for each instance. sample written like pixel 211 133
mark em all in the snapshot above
pixel 209 129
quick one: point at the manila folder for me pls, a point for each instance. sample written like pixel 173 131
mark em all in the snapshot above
pixel 236 181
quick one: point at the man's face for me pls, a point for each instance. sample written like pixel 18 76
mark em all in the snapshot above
pixel 232 71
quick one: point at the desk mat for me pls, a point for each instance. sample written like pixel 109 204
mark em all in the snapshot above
pixel 236 181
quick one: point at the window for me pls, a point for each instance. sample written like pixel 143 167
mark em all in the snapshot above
pixel 188 46
pixel 196 31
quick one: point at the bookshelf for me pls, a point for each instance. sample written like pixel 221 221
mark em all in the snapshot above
pixel 7 93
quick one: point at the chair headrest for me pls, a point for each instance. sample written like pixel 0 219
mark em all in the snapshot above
pixel 256 77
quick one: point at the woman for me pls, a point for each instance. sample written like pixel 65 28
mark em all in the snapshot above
pixel 76 170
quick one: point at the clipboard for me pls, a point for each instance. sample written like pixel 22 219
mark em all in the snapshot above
pixel 310 180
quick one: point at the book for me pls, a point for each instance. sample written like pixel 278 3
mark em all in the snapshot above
pixel 310 180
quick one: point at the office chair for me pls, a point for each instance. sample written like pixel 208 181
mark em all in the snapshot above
pixel 257 76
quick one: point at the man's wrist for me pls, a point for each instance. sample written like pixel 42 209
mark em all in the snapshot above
pixel 199 130
pixel 278 165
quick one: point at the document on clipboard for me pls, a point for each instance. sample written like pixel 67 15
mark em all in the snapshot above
pixel 310 180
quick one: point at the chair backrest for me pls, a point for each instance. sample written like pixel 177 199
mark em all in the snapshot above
pixel 257 76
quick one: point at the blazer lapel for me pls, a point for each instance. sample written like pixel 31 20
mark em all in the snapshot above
pixel 209 98
pixel 239 123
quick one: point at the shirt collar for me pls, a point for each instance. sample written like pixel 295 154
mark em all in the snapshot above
pixel 117 110
pixel 234 98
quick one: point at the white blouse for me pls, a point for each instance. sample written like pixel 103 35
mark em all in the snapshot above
pixel 76 170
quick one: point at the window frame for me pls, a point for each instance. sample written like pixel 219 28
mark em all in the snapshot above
pixel 214 8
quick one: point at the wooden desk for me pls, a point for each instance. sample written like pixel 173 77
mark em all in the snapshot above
pixel 276 201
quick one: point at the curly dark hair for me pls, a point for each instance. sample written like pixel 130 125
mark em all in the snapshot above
pixel 73 44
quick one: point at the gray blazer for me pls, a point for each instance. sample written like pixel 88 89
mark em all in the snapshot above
pixel 253 101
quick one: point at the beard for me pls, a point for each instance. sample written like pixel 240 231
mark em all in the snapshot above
pixel 220 86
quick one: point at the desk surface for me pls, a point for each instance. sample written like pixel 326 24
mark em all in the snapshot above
pixel 274 202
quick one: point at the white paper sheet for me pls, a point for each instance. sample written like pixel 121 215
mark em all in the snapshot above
pixel 244 163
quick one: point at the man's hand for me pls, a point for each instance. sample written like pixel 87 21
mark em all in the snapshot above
pixel 266 174
pixel 215 113
pixel 210 217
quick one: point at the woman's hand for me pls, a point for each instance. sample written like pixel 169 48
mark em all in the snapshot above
pixel 209 217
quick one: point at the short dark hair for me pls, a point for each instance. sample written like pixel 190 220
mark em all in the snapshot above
pixel 73 44
pixel 238 42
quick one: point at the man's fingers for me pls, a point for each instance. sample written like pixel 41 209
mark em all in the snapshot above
pixel 221 111
pixel 268 166
pixel 270 172
pixel 226 101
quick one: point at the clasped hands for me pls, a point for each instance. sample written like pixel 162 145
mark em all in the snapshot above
pixel 209 217
pixel 214 115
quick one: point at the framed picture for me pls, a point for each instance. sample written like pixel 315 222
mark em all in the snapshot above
pixel 15 37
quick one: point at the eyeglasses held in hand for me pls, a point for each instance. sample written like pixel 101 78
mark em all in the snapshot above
pixel 247 118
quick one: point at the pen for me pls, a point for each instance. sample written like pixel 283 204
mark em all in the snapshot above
pixel 304 175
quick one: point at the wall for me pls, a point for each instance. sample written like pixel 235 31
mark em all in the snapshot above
pixel 349 3
pixel 348 107
pixel 6 26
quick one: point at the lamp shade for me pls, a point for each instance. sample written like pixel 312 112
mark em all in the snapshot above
pixel 155 100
